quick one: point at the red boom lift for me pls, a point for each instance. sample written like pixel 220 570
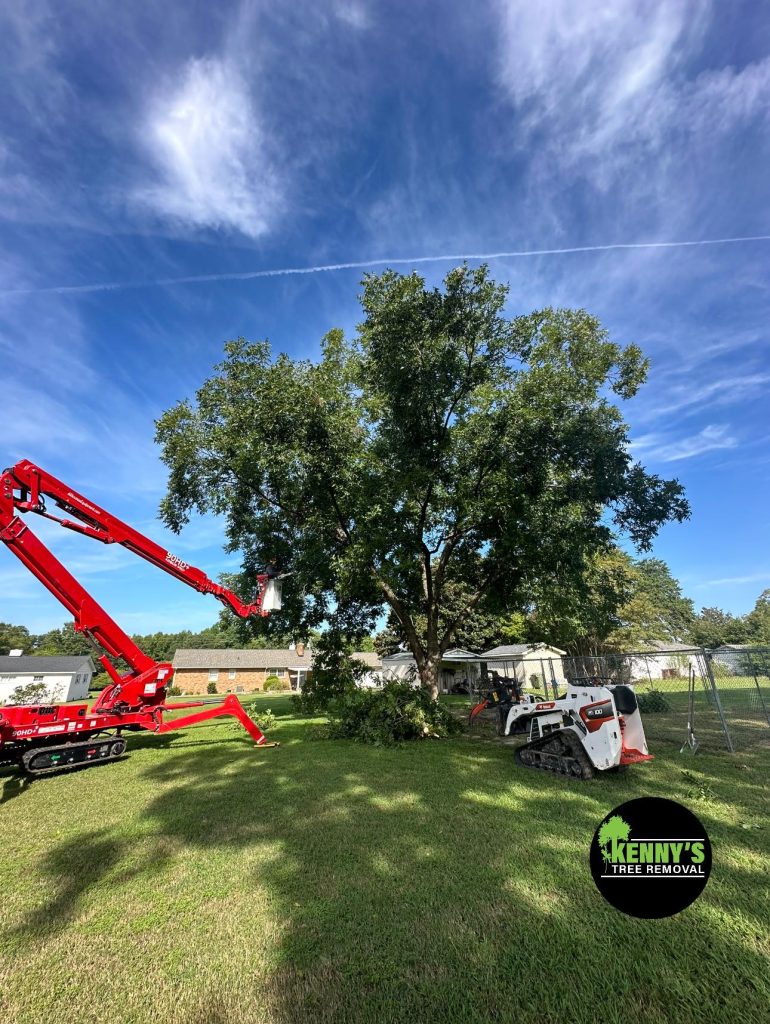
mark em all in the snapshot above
pixel 48 738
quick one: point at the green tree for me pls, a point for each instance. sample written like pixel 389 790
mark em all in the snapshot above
pixel 14 638
pixel 30 693
pixel 478 630
pixel 617 604
pixel 64 641
pixel 656 609
pixel 758 620
pixel 443 443
pixel 579 613
pixel 714 627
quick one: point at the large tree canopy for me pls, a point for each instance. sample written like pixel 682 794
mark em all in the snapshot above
pixel 442 444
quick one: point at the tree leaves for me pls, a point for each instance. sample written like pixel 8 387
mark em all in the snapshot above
pixel 444 444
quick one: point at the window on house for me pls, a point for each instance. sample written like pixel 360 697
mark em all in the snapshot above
pixel 213 675
pixel 276 672
pixel 231 673
pixel 239 689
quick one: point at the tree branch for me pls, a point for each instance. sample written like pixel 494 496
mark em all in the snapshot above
pixel 403 617
pixel 449 631
pixel 340 518
pixel 292 514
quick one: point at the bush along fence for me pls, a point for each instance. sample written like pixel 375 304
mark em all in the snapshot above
pixel 717 699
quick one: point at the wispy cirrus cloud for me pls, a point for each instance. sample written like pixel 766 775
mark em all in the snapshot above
pixel 212 164
pixel 606 91
pixel 688 397
pixel 659 447
pixel 353 13
pixel 726 581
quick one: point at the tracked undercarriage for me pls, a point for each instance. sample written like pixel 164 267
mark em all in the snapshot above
pixel 559 752
pixel 45 760
pixel 592 727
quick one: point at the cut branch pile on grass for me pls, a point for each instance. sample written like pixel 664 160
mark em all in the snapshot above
pixel 397 712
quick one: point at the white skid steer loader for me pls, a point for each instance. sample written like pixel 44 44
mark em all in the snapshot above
pixel 595 726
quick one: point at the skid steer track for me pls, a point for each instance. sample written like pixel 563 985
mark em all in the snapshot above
pixel 560 753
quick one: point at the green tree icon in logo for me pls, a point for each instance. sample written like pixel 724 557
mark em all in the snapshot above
pixel 613 831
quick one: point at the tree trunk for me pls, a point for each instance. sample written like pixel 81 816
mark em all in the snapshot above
pixel 429 674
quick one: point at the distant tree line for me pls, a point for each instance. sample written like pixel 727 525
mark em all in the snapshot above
pixel 619 604
pixel 226 633
pixel 623 604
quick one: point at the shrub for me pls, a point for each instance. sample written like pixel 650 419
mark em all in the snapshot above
pixel 174 691
pixel 275 683
pixel 211 688
pixel 263 718
pixel 651 702
pixel 98 681
pixel 32 693
pixel 393 714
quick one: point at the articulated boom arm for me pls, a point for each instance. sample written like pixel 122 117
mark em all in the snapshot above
pixel 23 489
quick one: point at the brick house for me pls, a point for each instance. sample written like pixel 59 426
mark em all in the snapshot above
pixel 245 671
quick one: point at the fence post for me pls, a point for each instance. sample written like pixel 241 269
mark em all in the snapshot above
pixel 554 685
pixel 706 659
pixel 759 690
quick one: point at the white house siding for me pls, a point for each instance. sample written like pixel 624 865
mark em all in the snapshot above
pixel 60 687
pixel 399 667
pixel 458 668
pixel 661 665
pixel 524 661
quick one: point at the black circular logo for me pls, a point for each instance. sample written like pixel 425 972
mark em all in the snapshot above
pixel 650 857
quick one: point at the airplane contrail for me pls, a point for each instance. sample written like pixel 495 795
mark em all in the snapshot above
pixel 108 286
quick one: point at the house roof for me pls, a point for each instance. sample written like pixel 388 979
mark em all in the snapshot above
pixel 497 653
pixel 667 646
pixel 226 658
pixel 453 654
pixel 518 650
pixel 42 664
pixel 460 654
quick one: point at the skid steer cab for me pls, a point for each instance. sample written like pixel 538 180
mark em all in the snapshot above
pixel 595 726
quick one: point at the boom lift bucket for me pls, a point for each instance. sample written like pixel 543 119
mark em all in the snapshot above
pixel 272 595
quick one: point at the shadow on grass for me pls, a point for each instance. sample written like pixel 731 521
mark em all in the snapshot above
pixel 71 864
pixel 429 882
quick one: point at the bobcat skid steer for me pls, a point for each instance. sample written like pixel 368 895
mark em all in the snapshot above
pixel 595 726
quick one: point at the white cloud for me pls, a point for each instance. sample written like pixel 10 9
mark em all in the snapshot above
pixel 600 86
pixel 686 398
pixel 658 448
pixel 212 159
pixel 352 13
pixel 757 577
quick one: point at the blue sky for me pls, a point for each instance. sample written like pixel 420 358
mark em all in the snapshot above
pixel 142 143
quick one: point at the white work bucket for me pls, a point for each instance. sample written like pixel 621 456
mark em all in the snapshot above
pixel 271 601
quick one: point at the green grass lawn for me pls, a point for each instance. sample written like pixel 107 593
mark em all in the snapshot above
pixel 205 880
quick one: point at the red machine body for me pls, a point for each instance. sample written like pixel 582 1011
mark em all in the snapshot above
pixel 133 700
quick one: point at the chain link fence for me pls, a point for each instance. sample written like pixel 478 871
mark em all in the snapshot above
pixel 687 695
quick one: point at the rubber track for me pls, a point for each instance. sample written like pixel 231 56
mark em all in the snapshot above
pixel 560 753
pixel 116 746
